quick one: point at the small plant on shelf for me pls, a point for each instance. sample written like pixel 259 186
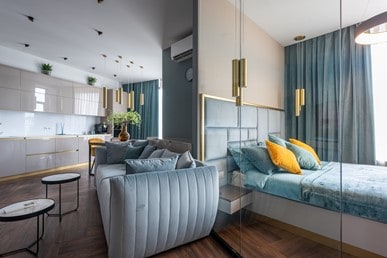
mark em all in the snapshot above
pixel 91 80
pixel 46 68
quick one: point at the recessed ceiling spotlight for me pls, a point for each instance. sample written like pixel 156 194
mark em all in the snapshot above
pixel 115 75
pixel 299 37
pixel 128 66
pixel 64 58
pixel 25 44
pixel 131 62
pixel 120 57
pixel 98 32
pixel 99 1
pixel 104 55
pixel 30 18
pixel 93 67
pixel 117 61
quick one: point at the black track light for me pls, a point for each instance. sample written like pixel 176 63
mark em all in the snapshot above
pixel 98 32
pixel 30 18
pixel 93 67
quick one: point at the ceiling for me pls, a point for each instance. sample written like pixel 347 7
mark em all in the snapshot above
pixel 138 30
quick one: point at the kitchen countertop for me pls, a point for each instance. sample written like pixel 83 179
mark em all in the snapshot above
pixel 48 136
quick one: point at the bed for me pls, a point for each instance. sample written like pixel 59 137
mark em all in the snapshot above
pixel 363 191
pixel 300 201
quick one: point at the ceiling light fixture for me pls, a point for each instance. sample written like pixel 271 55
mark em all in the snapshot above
pixel 372 31
pixel 25 44
pixel 30 18
pixel 98 32
pixel 64 58
pixel 93 67
pixel 99 1
pixel 299 37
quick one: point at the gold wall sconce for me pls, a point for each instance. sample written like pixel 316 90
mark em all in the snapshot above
pixel 239 79
pixel 299 100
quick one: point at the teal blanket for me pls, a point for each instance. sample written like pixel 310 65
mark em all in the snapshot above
pixel 363 191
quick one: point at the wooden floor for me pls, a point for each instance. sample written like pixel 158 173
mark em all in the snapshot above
pixel 80 234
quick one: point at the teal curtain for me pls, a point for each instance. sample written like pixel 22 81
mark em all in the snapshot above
pixel 331 104
pixel 149 111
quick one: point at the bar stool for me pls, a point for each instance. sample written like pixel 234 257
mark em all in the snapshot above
pixel 93 142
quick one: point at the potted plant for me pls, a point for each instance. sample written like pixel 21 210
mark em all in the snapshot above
pixel 91 80
pixel 46 69
pixel 123 119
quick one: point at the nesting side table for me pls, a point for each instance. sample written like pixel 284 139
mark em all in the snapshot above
pixel 25 210
pixel 61 179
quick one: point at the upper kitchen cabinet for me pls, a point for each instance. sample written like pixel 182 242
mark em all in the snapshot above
pixel 34 82
pixel 9 88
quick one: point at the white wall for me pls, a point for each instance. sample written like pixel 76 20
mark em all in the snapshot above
pixel 216 49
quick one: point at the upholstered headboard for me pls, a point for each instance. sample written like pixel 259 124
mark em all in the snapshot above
pixel 222 124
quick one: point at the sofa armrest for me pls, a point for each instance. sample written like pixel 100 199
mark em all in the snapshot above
pixel 153 212
pixel 100 156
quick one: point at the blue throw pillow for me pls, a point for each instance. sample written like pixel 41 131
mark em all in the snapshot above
pixel 260 158
pixel 277 140
pixel 140 143
pixel 150 165
pixel 116 151
pixel 185 161
pixel 304 158
pixel 156 153
pixel 240 159
pixel 133 152
pixel 147 151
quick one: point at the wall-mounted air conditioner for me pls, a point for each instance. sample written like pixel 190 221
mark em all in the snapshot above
pixel 182 49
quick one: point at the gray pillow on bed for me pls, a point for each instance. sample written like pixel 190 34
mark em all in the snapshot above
pixel 259 157
pixel 304 158
pixel 277 140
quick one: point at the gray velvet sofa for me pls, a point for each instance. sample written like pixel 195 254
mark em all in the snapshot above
pixel 147 213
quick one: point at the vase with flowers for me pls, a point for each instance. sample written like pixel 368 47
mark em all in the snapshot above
pixel 123 119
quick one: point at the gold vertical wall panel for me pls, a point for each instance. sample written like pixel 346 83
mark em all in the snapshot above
pixel 243 72
pixel 104 97
pixel 235 77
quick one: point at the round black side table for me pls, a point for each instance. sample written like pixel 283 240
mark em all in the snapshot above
pixel 25 210
pixel 61 179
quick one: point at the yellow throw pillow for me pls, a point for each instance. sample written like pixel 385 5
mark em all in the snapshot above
pixel 306 147
pixel 283 158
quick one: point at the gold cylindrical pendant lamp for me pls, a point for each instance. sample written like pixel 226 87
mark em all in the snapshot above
pixel 128 101
pixel 132 100
pixel 243 72
pixel 239 99
pixel 116 94
pixel 302 97
pixel 235 77
pixel 297 102
pixel 119 95
pixel 104 97
pixel 142 99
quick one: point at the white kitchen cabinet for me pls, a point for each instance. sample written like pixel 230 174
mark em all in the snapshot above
pixel 66 158
pixel 38 102
pixel 41 145
pixel 32 82
pixel 9 99
pixel 65 143
pixel 65 105
pixel 9 77
pixel 38 162
pixel 12 158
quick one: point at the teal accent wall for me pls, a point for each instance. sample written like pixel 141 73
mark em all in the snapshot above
pixel 177 99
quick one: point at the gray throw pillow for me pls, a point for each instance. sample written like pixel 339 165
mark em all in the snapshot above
pixel 133 152
pixel 148 150
pixel 167 153
pixel 156 154
pixel 185 161
pixel 260 158
pixel 277 140
pixel 150 165
pixel 140 143
pixel 116 151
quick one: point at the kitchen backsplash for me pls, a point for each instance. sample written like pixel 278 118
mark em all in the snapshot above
pixel 16 123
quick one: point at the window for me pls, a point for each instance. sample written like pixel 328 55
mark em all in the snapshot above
pixel 379 81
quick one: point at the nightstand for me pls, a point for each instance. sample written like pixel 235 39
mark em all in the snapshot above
pixel 233 198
